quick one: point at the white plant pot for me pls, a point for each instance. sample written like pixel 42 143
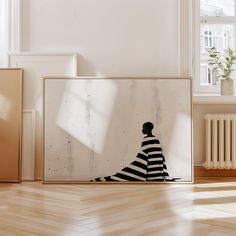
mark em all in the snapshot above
pixel 226 87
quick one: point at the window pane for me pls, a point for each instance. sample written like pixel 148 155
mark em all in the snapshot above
pixel 209 75
pixel 222 38
pixel 206 42
pixel 203 73
pixel 217 8
pixel 210 42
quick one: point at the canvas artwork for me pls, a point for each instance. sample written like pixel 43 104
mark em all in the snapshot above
pixel 117 130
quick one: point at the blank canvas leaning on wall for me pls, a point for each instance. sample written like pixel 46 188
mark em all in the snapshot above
pixel 93 126
pixel 36 66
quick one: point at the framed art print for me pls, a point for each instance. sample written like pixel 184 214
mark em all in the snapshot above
pixel 117 130
pixel 36 66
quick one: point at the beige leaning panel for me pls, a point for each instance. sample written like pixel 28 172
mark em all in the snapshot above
pixel 10 124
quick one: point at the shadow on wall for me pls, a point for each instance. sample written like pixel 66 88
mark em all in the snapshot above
pixel 111 113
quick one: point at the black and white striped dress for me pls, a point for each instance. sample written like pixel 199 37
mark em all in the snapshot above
pixel 156 166
pixel 149 164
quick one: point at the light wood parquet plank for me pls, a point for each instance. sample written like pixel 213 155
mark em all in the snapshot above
pixel 207 207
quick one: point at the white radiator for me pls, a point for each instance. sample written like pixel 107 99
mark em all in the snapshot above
pixel 220 141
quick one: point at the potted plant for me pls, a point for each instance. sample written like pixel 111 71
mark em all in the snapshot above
pixel 224 66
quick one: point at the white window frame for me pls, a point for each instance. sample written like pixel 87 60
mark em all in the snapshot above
pixel 197 21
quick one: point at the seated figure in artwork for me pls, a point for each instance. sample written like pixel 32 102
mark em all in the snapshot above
pixel 156 166
pixel 149 164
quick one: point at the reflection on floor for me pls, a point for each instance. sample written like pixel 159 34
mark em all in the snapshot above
pixel 206 208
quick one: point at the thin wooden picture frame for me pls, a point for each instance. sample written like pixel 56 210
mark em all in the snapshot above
pixel 45 181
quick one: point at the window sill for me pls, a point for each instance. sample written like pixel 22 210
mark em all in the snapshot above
pixel 214 99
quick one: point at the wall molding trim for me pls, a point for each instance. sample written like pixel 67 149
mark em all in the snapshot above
pixel 185 37
pixel 14 25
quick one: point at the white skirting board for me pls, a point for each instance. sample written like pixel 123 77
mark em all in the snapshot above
pixel 28 145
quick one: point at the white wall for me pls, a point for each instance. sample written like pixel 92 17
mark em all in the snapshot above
pixel 112 37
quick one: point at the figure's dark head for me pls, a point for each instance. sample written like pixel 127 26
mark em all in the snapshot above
pixel 147 128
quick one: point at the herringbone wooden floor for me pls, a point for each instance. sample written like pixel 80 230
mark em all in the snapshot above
pixel 205 208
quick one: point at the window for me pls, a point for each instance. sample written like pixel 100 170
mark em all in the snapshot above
pixel 216 23
pixel 208 77
pixel 227 40
pixel 208 39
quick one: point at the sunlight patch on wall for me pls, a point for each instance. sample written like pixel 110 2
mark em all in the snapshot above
pixel 177 146
pixel 85 111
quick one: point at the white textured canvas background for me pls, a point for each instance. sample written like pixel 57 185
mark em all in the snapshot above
pixel 93 126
